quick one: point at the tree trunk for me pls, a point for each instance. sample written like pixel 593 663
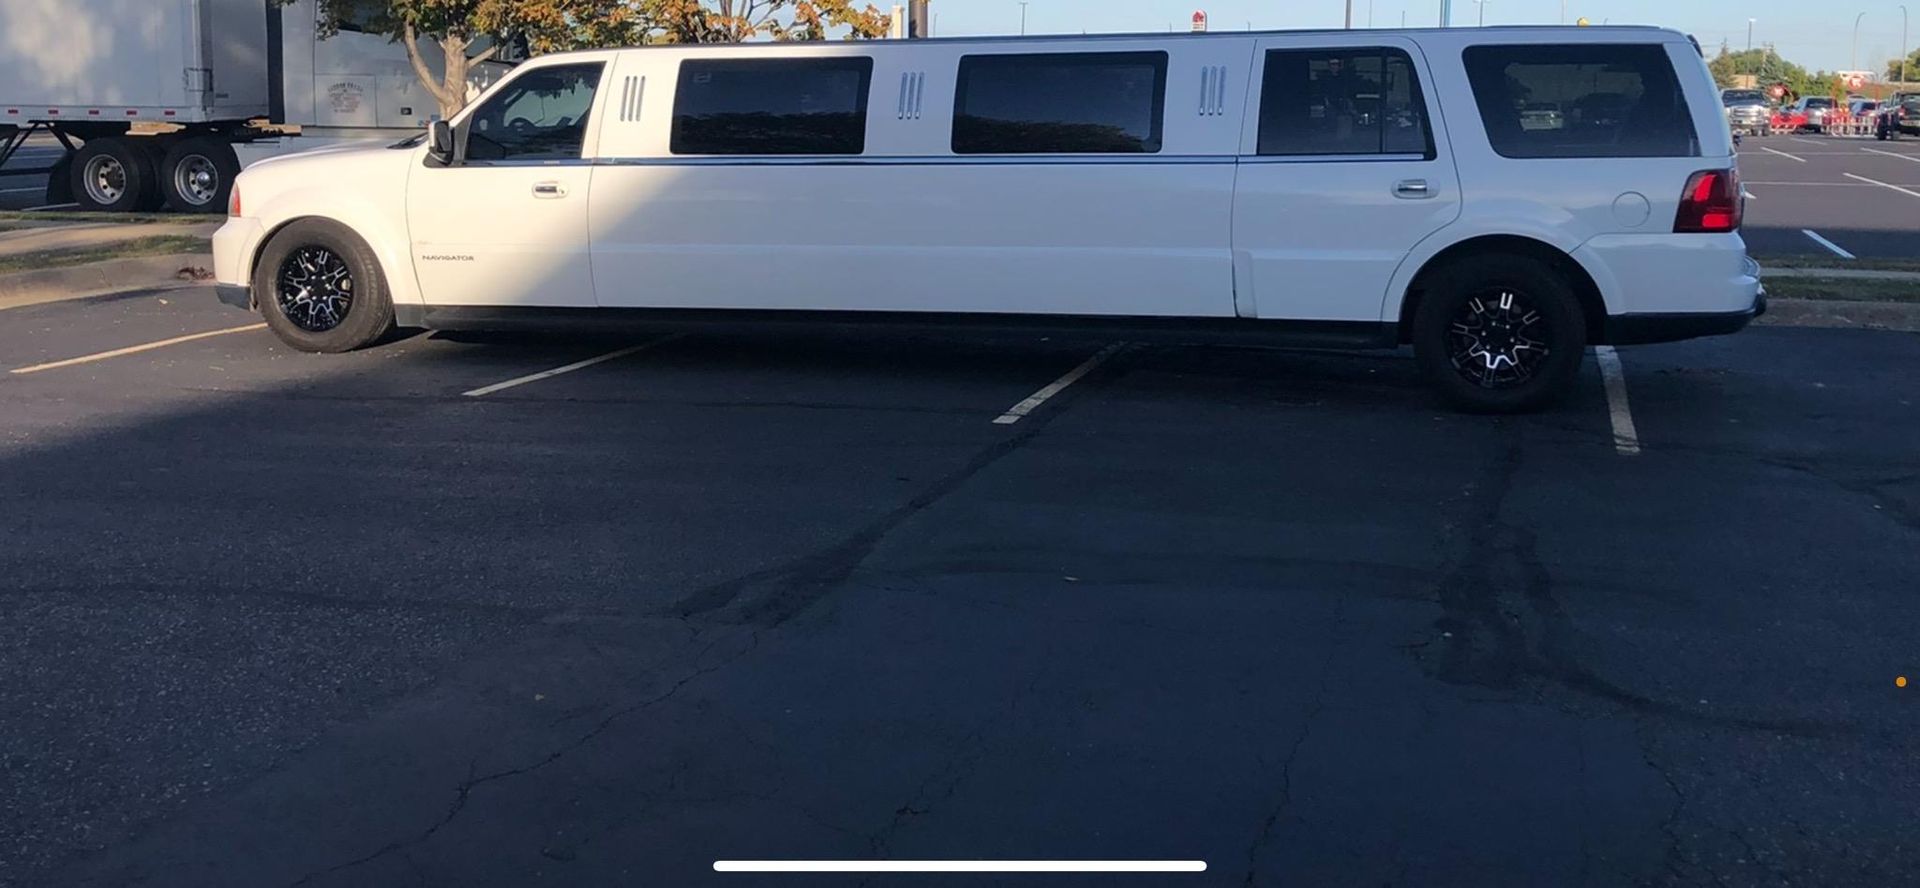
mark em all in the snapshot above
pixel 453 87
pixel 450 91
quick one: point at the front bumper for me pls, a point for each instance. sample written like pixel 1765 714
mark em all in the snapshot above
pixel 236 295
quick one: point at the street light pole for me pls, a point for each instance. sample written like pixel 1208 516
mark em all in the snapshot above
pixel 1856 41
pixel 1904 55
pixel 1023 16
pixel 1750 58
pixel 1349 15
pixel 1483 11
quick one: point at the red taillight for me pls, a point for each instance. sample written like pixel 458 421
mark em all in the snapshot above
pixel 233 202
pixel 1712 203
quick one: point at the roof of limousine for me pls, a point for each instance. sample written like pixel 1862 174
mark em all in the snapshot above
pixel 1476 34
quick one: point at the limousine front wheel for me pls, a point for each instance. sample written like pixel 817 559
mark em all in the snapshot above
pixel 1499 333
pixel 320 288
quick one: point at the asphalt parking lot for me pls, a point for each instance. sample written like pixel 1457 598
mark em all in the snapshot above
pixel 275 618
pixel 1859 197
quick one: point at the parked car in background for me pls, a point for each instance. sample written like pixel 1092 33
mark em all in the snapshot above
pixel 1748 111
pixel 1858 107
pixel 1815 110
pixel 1899 116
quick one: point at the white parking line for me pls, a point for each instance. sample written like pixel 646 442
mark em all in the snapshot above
pixel 1907 191
pixel 569 368
pixel 1828 244
pixel 1626 439
pixel 1017 411
pixel 959 866
pixel 134 349
pixel 1892 154
pixel 1748 194
pixel 1782 154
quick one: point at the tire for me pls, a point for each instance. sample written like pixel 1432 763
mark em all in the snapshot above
pixel 196 175
pixel 113 175
pixel 315 311
pixel 1541 309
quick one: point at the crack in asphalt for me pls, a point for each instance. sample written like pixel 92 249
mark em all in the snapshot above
pixel 1470 598
pixel 1893 508
pixel 464 791
pixel 1670 826
pixel 1336 639
pixel 784 590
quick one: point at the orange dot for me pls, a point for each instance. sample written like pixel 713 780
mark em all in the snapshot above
pixel 1899 681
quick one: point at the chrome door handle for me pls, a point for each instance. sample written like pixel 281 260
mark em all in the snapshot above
pixel 548 189
pixel 1412 189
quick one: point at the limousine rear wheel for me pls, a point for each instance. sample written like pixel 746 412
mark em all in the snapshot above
pixel 1499 333
pixel 320 288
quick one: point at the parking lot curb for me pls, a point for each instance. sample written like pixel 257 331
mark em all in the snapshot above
pixel 24 288
pixel 1904 316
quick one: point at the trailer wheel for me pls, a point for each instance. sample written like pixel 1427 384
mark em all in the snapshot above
pixel 196 175
pixel 112 175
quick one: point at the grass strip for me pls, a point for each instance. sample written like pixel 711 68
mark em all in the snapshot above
pixel 157 245
pixel 1843 290
pixel 7 216
pixel 1828 260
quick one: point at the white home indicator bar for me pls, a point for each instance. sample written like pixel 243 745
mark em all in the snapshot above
pixel 959 866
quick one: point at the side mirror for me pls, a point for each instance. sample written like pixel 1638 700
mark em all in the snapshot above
pixel 440 141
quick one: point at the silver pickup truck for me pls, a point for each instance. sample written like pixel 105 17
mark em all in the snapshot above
pixel 1748 111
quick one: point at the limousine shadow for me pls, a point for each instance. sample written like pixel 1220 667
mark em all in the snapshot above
pixel 957 369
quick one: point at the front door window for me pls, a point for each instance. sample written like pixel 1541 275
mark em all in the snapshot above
pixel 540 115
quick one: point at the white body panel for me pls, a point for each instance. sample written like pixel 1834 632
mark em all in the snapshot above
pixel 533 252
pixel 279 190
pixel 907 226
pixel 1316 237
pixel 1201 229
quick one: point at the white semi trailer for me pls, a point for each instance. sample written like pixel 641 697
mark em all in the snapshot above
pixel 160 102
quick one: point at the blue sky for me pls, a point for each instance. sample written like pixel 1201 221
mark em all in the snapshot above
pixel 1817 35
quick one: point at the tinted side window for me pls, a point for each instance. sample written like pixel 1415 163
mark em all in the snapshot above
pixel 1060 103
pixel 1593 100
pixel 1342 101
pixel 771 106
pixel 541 115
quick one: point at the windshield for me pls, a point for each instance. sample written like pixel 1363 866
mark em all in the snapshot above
pixel 1742 96
pixel 1819 103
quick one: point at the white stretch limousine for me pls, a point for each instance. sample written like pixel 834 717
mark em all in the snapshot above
pixel 1365 188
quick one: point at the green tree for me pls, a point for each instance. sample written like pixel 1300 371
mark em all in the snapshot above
pixel 734 21
pixel 1769 68
pixel 1894 72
